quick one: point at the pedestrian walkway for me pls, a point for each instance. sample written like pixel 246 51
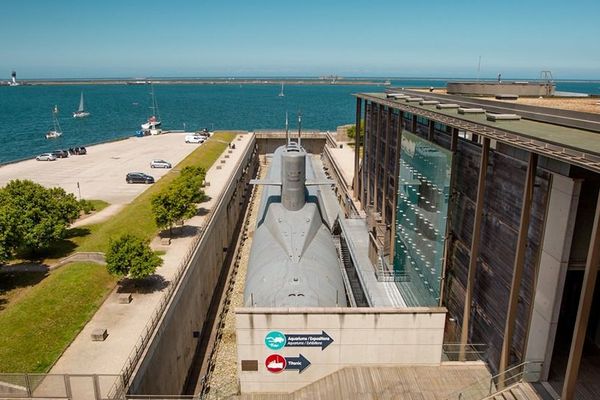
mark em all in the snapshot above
pixel 126 322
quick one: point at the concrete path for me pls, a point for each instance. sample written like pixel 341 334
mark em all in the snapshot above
pixel 126 322
pixel 100 216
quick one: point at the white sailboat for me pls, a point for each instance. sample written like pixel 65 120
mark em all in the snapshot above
pixel 56 132
pixel 281 94
pixel 153 126
pixel 81 113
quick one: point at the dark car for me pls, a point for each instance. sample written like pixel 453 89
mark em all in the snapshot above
pixel 138 177
pixel 77 151
pixel 60 153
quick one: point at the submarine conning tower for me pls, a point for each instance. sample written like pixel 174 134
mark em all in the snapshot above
pixel 293 177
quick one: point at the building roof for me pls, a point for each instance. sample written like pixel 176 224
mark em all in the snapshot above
pixel 572 145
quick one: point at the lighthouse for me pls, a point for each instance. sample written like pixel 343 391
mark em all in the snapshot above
pixel 13 80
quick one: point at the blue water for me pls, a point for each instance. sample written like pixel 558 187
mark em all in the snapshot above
pixel 118 110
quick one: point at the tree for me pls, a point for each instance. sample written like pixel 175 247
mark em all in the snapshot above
pixel 177 202
pixel 32 217
pixel 130 256
pixel 351 131
pixel 172 205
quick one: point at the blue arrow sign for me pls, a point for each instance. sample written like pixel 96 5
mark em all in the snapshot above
pixel 300 363
pixel 321 340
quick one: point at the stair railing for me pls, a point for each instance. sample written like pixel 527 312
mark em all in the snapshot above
pixel 528 371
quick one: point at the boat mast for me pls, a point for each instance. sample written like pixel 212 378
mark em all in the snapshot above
pixel 154 106
pixel 55 119
pixel 81 103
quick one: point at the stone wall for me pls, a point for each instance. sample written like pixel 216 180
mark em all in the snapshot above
pixel 169 355
pixel 360 337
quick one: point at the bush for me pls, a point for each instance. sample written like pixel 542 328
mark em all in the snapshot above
pixel 87 206
pixel 130 256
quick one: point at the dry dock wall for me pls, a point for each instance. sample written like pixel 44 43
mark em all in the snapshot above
pixel 168 357
pixel 360 337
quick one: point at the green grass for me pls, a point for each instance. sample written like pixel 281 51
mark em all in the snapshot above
pixel 38 327
pixel 99 205
pixel 136 218
pixel 37 323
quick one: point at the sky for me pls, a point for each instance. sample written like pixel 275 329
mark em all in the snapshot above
pixel 376 38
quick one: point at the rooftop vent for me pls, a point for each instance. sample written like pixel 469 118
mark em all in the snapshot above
pixel 414 99
pixel 395 95
pixel 507 97
pixel 463 110
pixel 429 102
pixel 446 105
pixel 502 117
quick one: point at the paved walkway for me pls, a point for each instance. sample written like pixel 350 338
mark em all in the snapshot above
pixel 101 172
pixel 100 216
pixel 125 322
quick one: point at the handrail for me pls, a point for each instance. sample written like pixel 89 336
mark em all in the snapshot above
pixel 487 387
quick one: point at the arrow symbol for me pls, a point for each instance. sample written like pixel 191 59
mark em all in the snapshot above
pixel 309 340
pixel 300 363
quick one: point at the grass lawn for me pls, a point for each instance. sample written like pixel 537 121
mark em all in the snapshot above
pixel 41 324
pixel 41 314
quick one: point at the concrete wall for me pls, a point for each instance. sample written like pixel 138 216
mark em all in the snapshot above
pixel 361 337
pixel 168 357
pixel 269 141
pixel 495 88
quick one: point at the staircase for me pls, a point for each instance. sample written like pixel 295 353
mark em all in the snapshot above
pixel 518 391
pixel 510 385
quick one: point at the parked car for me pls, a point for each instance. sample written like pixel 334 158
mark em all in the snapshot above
pixel 60 153
pixel 78 151
pixel 46 157
pixel 160 164
pixel 194 139
pixel 138 177
pixel 204 132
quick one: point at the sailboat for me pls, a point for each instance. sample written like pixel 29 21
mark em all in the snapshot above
pixel 56 132
pixel 281 94
pixel 81 113
pixel 153 125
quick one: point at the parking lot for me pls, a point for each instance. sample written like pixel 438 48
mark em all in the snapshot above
pixel 101 172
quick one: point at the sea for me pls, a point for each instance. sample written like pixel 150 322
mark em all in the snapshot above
pixel 118 110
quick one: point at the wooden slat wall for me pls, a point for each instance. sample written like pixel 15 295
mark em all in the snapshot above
pixel 502 207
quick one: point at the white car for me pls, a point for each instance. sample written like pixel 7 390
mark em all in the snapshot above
pixel 46 157
pixel 194 139
pixel 160 164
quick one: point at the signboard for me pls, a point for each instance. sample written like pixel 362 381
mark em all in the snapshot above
pixel 275 363
pixel 275 340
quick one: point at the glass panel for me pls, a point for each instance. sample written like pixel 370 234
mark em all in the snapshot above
pixel 421 214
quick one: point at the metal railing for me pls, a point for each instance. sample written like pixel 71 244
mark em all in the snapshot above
pixel 467 352
pixel 62 386
pixel 527 371
pixel 144 338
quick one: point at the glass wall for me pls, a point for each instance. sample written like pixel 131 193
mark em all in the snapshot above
pixel 421 215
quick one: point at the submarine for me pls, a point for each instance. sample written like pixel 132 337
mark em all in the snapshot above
pixel 293 259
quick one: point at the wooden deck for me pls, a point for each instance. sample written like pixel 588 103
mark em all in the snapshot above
pixel 408 383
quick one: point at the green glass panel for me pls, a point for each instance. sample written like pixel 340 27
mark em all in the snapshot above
pixel 421 215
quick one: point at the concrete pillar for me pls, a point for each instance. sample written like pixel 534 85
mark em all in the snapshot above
pixel 583 312
pixel 431 130
pixel 356 183
pixel 563 199
pixel 464 336
pixel 519 262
